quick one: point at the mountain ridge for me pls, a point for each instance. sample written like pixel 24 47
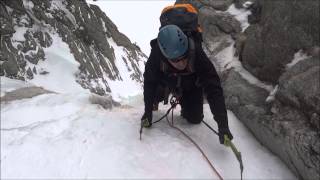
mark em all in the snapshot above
pixel 28 27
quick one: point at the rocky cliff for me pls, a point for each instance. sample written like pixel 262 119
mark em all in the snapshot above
pixel 28 27
pixel 270 72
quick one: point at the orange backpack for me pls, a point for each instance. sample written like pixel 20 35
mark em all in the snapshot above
pixel 184 16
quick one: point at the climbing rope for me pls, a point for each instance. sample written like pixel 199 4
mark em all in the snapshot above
pixel 228 143
pixel 231 145
pixel 194 143
pixel 174 102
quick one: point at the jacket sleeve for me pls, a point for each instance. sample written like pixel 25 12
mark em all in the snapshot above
pixel 151 80
pixel 210 81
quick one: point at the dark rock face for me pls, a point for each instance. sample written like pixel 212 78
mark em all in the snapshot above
pixel 6 22
pixel 299 88
pixel 218 27
pixel 284 28
pixel 28 27
pixel 288 125
pixel 221 5
pixel 284 129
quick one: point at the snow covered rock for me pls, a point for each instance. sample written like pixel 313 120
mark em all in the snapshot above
pixel 299 88
pixel 218 27
pixel 284 129
pixel 105 101
pixel 216 4
pixel 23 93
pixel 30 29
pixel 244 3
pixel 283 28
pixel 278 43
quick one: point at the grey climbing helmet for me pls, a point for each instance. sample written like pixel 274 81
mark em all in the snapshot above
pixel 173 42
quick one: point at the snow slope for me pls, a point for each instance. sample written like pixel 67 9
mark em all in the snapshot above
pixel 64 136
pixel 61 67
pixel 126 87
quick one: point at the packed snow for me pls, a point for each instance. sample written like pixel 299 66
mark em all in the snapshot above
pixel 241 15
pixel 64 136
pixel 61 68
pixel 19 34
pixel 126 87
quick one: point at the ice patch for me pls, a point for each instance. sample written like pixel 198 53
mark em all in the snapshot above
pixel 28 4
pixel 19 34
pixel 247 4
pixel 272 95
pixel 227 60
pixel 298 56
pixel 127 86
pixel 62 68
pixel 241 15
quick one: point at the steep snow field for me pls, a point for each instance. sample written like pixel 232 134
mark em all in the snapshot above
pixel 63 135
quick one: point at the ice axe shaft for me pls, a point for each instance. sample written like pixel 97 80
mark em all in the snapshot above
pixel 228 142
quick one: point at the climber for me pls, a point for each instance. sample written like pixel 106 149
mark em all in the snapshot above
pixel 178 63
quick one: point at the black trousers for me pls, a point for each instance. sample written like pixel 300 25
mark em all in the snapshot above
pixel 192 105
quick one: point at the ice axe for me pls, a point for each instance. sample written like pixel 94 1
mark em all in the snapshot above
pixel 228 143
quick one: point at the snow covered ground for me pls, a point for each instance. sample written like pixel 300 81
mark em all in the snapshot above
pixel 64 136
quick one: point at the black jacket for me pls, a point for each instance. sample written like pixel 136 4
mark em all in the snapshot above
pixel 205 76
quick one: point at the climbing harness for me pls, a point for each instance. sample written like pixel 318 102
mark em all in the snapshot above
pixel 174 101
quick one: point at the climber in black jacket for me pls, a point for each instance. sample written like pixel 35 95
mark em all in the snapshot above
pixel 179 63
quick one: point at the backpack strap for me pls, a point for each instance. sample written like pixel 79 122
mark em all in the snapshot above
pixel 191 55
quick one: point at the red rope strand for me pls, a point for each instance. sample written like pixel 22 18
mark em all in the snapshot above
pixel 197 146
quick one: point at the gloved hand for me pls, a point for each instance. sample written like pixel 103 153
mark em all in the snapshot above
pixel 222 133
pixel 146 120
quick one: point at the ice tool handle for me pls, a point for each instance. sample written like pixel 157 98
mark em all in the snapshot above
pixel 227 142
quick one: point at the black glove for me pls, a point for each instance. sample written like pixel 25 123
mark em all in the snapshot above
pixel 222 132
pixel 146 120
